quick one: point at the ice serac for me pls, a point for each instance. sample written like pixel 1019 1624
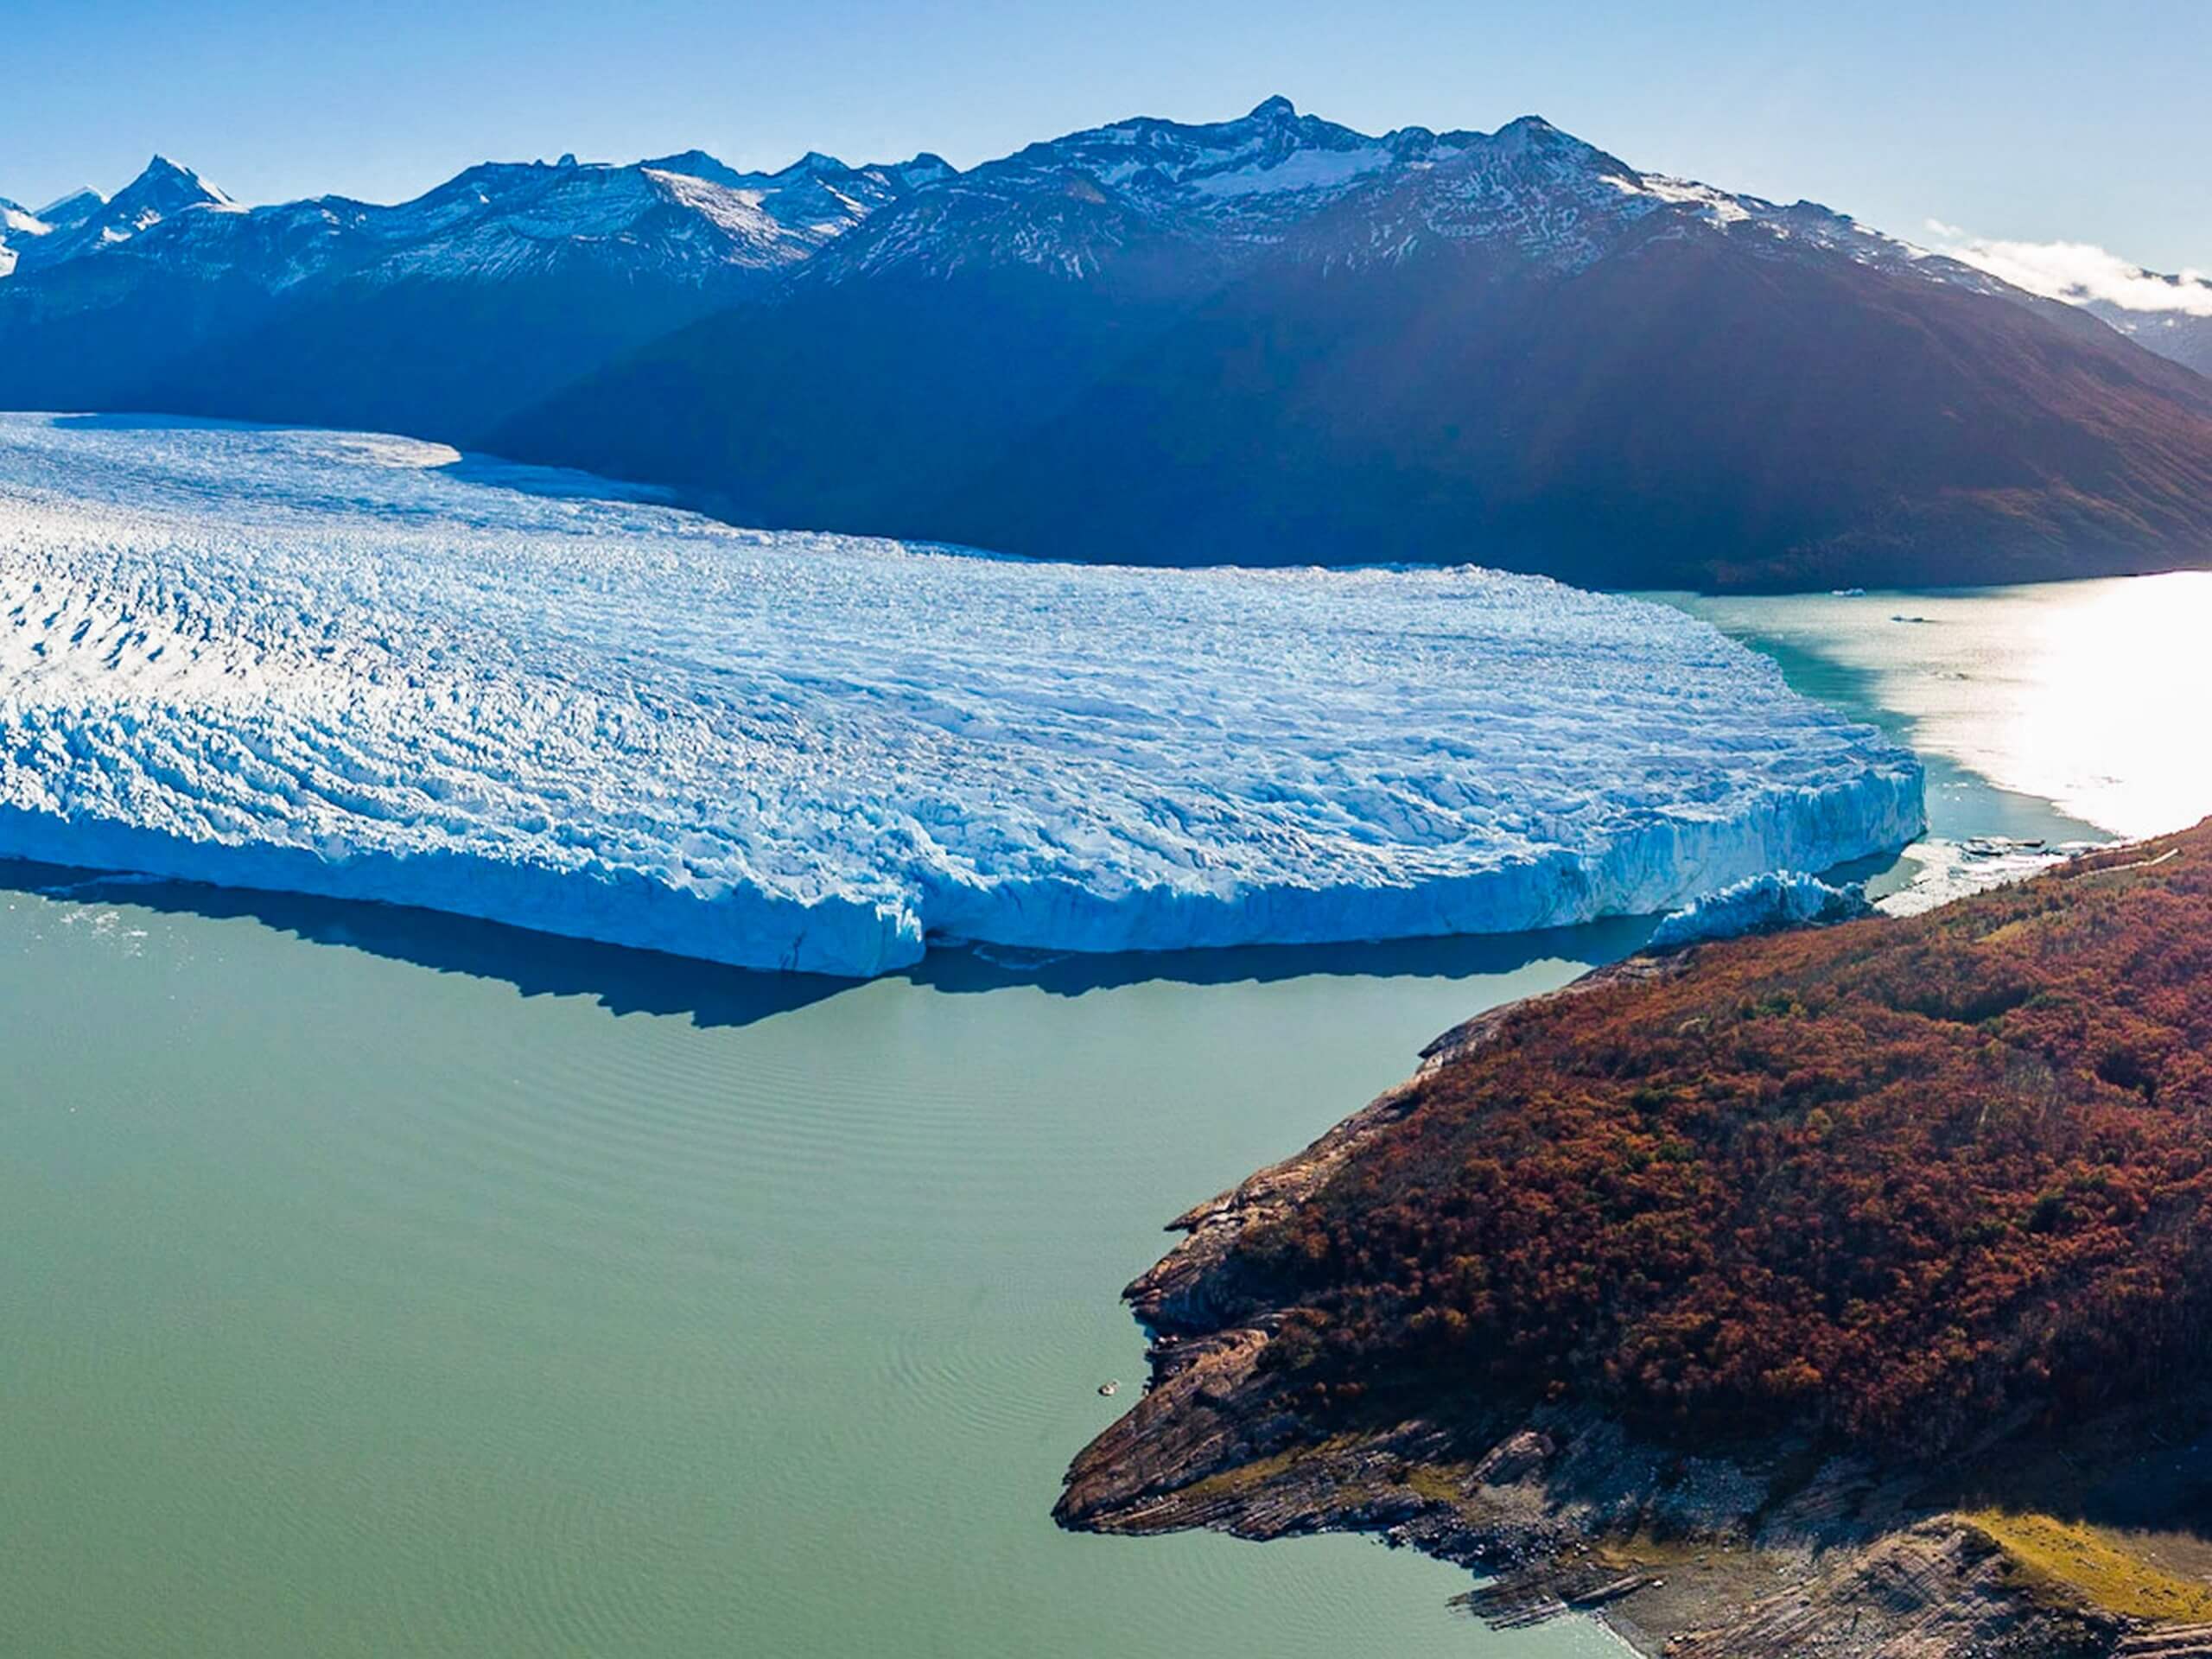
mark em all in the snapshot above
pixel 373 668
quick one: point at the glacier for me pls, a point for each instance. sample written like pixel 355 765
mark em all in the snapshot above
pixel 370 668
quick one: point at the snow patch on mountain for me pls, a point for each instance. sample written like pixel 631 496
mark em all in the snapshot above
pixel 816 193
pixel 1718 206
pixel 1308 170
pixel 372 667
pixel 17 225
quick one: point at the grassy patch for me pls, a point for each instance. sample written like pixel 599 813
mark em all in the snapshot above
pixel 2107 1568
pixel 1243 1477
pixel 1440 1482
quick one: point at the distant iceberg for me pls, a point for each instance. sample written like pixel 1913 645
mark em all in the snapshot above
pixel 372 668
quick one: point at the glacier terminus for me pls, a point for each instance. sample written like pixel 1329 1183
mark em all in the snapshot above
pixel 374 668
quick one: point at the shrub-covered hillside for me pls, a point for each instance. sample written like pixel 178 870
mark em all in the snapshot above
pixel 1905 1180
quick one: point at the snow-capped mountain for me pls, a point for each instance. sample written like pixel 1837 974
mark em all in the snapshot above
pixel 1277 339
pixel 1269 338
pixel 1071 204
pixel 86 222
pixel 1213 197
pixel 1272 158
pixel 494 221
pixel 437 316
pixel 1274 178
pixel 688 216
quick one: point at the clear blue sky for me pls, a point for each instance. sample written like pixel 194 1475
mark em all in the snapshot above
pixel 2028 120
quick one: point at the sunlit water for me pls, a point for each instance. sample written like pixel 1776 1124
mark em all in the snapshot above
pixel 379 1285
pixel 2092 696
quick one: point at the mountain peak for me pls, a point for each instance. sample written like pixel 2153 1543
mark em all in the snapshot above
pixel 163 179
pixel 72 208
pixel 684 159
pixel 697 164
pixel 1533 139
pixel 1532 128
pixel 926 167
pixel 1277 108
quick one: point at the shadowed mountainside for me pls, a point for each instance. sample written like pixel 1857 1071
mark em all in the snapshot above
pixel 1271 340
pixel 1525 355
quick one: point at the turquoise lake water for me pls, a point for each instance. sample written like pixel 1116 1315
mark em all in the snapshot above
pixel 578 1304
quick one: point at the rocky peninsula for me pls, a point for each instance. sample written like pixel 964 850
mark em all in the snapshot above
pixel 1844 1291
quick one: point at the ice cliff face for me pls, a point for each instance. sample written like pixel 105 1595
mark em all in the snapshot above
pixel 370 668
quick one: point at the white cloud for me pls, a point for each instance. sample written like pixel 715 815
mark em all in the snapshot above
pixel 2077 271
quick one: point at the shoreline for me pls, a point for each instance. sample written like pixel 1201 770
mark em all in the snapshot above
pixel 1741 1551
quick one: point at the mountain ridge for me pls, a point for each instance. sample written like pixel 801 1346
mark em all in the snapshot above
pixel 1273 339
pixel 1077 352
pixel 437 316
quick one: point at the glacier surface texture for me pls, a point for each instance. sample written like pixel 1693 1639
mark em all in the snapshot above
pixel 370 668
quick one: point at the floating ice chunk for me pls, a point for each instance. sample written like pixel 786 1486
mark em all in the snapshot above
pixel 370 668
pixel 1944 870
pixel 1761 904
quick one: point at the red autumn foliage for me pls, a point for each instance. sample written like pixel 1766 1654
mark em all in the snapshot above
pixel 1900 1180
